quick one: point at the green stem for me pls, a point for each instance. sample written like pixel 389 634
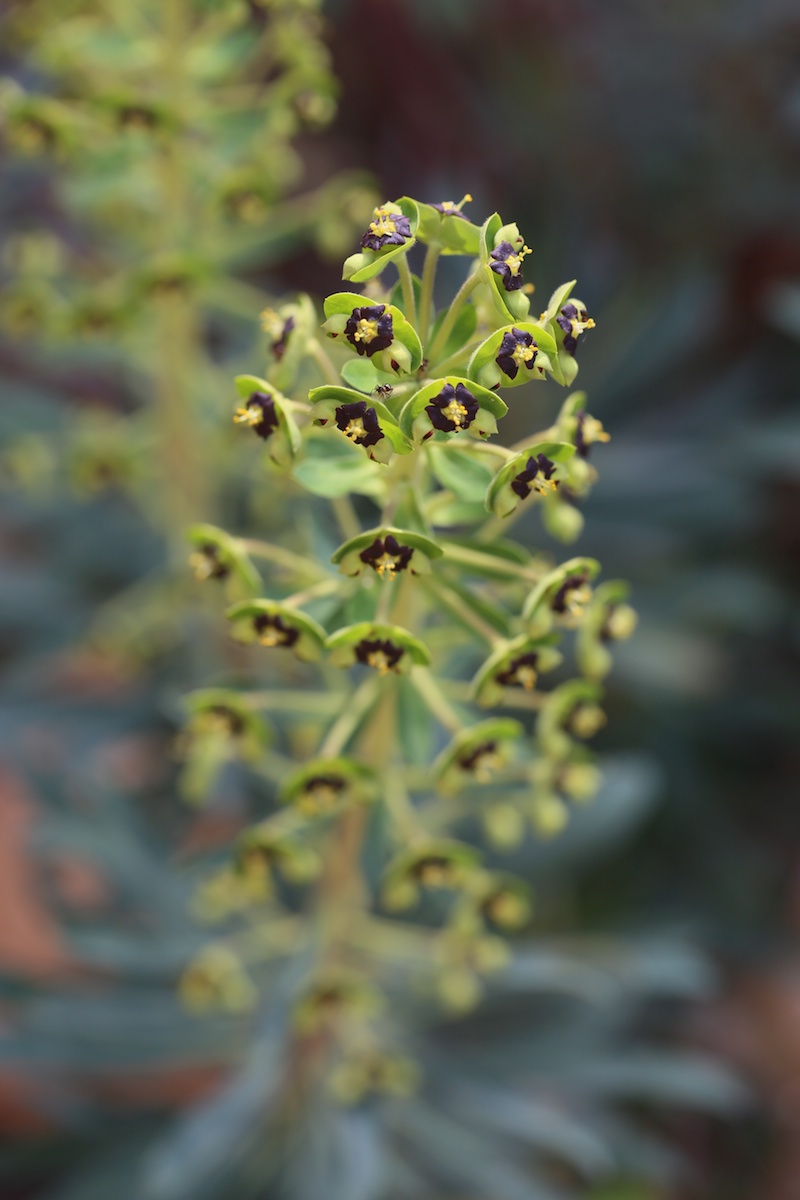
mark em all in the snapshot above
pixel 453 360
pixel 323 361
pixel 459 609
pixel 490 563
pixel 325 587
pixel 429 691
pixel 407 285
pixel 282 557
pixel 461 297
pixel 345 725
pixel 426 291
pixel 347 517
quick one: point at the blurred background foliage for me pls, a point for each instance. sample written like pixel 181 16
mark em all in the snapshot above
pixel 159 186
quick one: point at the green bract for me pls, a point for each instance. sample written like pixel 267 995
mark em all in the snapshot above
pixel 452 234
pixel 509 304
pixel 360 267
pixel 484 367
pixel 273 624
pixel 560 597
pixel 366 423
pixel 281 435
pixel 387 551
pixel 217 555
pixel 475 753
pixel 515 664
pixel 570 711
pixel 418 422
pixel 608 619
pixel 503 497
pixel 387 649
pixel 221 727
pixel 344 312
pixel 439 864
pixel 326 785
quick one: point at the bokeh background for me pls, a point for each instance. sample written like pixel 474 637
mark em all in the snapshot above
pixel 651 150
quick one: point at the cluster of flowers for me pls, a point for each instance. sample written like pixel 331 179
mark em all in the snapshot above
pixel 406 409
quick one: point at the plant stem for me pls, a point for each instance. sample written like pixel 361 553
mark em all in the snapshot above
pixel 325 587
pixel 407 284
pixel 346 516
pixel 461 297
pixel 435 700
pixel 321 357
pixel 447 364
pixel 459 609
pixel 490 563
pixel 426 291
pixel 345 725
pixel 282 557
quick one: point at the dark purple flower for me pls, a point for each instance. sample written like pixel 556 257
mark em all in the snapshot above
pixel 272 630
pixel 538 476
pixel 449 209
pixel 479 759
pixel 434 870
pixel 587 430
pixel 573 595
pixel 229 720
pixel 454 408
pixel 369 329
pixel 389 227
pixel 379 653
pixel 359 423
pixel 508 264
pixel 259 413
pixel 386 555
pixel 573 319
pixel 521 672
pixel 207 563
pixel 516 349
pixel 279 345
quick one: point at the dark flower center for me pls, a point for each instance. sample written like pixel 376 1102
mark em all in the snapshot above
pixel 359 423
pixel 206 563
pixel 387 556
pixel 521 672
pixel 433 871
pixel 321 793
pixel 279 345
pixel 369 329
pixel 453 409
pixel 259 413
pixel 226 719
pixel 272 630
pixel 380 654
pixel 537 476
pixel 389 227
pixel 480 759
pixel 507 263
pixel 572 597
pixel 573 320
pixel 588 430
pixel 517 349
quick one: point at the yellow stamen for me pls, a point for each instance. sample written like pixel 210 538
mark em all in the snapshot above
pixel 386 564
pixel 379 661
pixel 543 486
pixel 514 261
pixel 457 413
pixel 383 222
pixel 366 331
pixel 251 415
pixel 526 677
pixel 523 354
pixel 354 429
pixel 201 565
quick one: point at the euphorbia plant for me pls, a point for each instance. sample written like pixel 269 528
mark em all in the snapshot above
pixel 413 672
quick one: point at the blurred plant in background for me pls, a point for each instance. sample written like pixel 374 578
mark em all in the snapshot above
pixel 683 124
